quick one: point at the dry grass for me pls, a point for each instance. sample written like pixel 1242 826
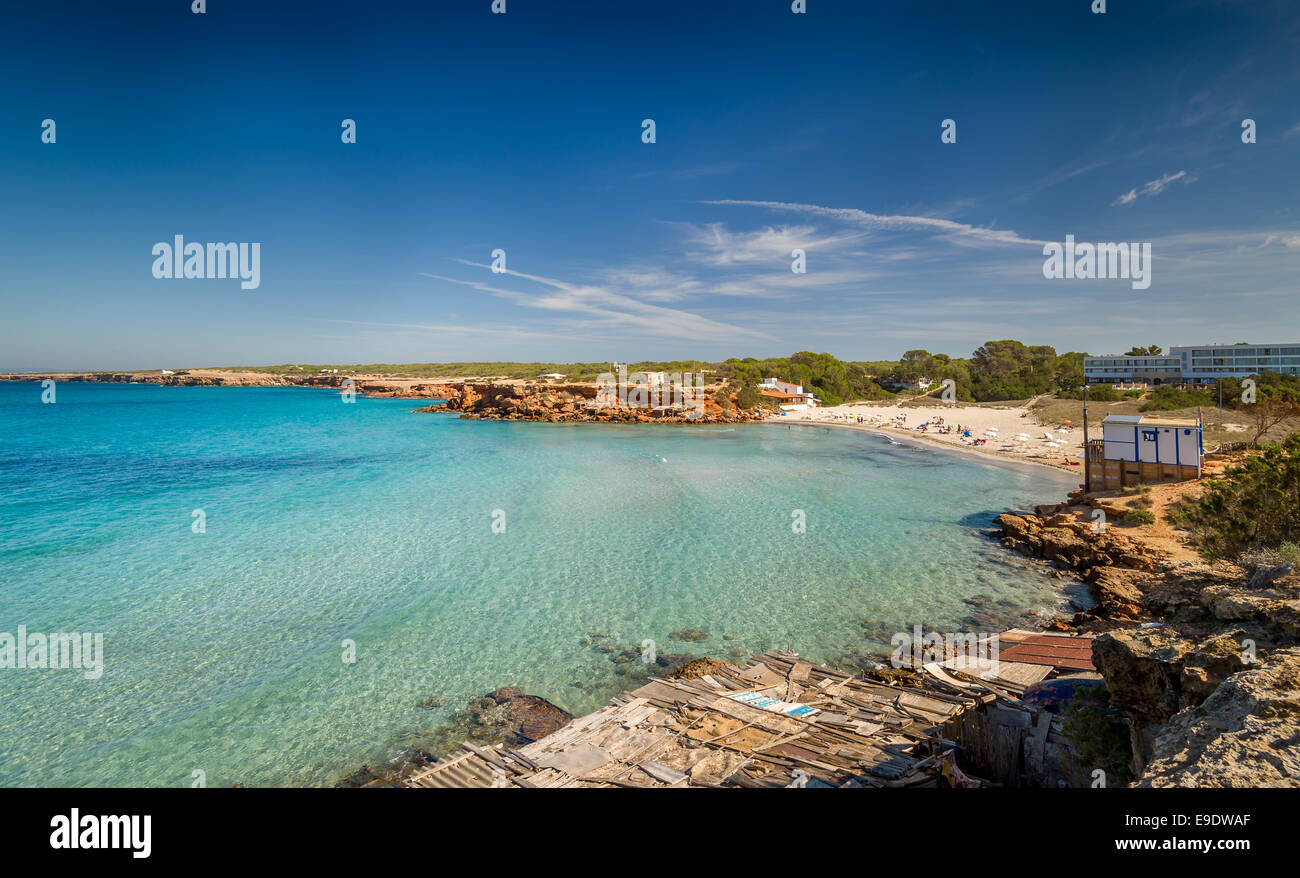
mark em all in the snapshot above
pixel 1220 425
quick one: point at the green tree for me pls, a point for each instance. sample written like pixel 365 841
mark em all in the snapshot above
pixel 747 397
pixel 1009 369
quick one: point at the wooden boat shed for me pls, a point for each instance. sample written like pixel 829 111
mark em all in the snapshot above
pixel 1137 449
pixel 779 722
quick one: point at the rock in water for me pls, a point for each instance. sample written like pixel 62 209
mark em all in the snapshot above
pixel 698 668
pixel 526 718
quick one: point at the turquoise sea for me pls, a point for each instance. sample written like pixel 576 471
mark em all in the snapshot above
pixel 327 521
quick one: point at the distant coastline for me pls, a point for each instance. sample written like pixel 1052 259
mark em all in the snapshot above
pixel 503 398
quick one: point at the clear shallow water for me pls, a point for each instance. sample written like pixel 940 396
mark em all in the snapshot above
pixel 329 521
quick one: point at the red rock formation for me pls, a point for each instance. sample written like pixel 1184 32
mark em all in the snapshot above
pixel 569 402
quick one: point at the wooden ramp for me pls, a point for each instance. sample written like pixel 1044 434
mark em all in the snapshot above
pixel 779 722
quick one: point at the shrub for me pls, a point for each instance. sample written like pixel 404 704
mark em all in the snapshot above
pixel 1254 505
pixel 1289 551
pixel 1138 517
pixel 1260 557
pixel 1166 398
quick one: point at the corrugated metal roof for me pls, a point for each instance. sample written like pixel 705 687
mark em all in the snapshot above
pixel 690 731
pixel 465 770
pixel 1071 653
pixel 1150 421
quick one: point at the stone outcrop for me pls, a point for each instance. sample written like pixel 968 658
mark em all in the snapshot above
pixel 561 403
pixel 1113 564
pixel 1245 734
pixel 1071 540
pixel 1153 673
pixel 697 668
pixel 1202 601
pixel 520 718
pixel 1181 694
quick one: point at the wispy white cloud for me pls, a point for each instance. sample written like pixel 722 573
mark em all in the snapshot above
pixel 603 305
pixel 935 225
pixel 716 245
pixel 1152 188
pixel 908 278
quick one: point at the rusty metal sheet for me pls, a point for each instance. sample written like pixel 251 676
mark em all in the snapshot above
pixel 1073 653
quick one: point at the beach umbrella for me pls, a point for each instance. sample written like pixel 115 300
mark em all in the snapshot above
pixel 1063 430
pixel 1052 444
pixel 1022 438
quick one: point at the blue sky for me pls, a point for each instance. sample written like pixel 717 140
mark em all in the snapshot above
pixel 523 132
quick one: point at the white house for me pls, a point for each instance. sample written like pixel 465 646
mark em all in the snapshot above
pixel 920 384
pixel 790 397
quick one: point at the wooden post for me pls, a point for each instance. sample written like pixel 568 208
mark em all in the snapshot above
pixel 1087 454
pixel 1200 434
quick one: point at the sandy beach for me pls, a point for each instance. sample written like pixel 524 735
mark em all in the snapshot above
pixel 997 427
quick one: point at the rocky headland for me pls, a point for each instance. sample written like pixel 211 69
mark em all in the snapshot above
pixel 562 403
pixel 504 400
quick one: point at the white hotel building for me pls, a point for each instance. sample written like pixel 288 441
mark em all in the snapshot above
pixel 1194 364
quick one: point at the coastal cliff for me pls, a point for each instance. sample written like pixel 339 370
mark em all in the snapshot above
pixel 1202 659
pixel 364 386
pixel 485 400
